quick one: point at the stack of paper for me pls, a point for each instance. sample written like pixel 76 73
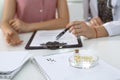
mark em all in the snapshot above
pixel 56 67
pixel 11 63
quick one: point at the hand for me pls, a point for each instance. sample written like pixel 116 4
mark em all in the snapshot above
pixel 19 25
pixel 80 28
pixel 11 36
pixel 95 22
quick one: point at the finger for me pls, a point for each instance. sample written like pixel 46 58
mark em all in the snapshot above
pixel 17 30
pixel 76 32
pixel 82 23
pixel 14 25
pixel 96 22
pixel 99 20
pixel 9 33
pixel 13 39
pixel 15 42
pixel 69 25
pixel 8 40
pixel 11 21
pixel 71 29
pixel 92 23
pixel 19 42
pixel 77 27
pixel 73 23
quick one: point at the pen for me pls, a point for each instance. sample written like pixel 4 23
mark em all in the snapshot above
pixel 62 33
pixel 65 30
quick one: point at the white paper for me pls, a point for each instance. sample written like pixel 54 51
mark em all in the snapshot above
pixel 50 35
pixel 11 61
pixel 59 69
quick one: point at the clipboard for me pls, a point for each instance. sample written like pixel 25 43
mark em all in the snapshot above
pixel 55 32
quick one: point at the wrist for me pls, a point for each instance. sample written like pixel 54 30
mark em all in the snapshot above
pixel 101 32
pixel 92 33
pixel 30 27
pixel 95 32
pixel 35 26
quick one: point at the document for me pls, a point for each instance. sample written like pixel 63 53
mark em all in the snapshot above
pixel 45 36
pixel 56 67
pixel 11 63
pixel 42 37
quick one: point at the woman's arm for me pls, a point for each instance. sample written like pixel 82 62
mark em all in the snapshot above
pixel 9 11
pixel 8 14
pixel 60 22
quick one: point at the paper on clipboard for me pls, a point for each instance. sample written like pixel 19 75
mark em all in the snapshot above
pixel 42 37
pixel 45 36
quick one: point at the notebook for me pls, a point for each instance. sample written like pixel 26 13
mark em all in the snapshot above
pixel 56 67
pixel 11 63
pixel 43 36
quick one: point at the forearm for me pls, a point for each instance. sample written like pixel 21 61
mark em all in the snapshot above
pixel 5 24
pixel 49 25
pixel 8 12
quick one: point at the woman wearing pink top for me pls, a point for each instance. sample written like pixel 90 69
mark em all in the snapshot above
pixel 30 15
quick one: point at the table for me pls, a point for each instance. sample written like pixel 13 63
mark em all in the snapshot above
pixel 107 48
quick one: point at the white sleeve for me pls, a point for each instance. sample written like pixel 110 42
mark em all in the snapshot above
pixel 86 8
pixel 113 28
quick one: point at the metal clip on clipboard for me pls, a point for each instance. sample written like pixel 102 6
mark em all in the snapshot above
pixel 53 45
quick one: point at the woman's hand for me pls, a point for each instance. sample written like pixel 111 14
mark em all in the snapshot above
pixel 11 36
pixel 19 25
pixel 80 28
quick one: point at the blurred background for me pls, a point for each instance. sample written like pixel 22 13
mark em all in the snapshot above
pixel 75 9
pixel 1 8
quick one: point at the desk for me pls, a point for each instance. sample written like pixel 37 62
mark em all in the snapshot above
pixel 107 49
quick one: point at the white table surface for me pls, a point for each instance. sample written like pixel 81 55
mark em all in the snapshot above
pixel 107 48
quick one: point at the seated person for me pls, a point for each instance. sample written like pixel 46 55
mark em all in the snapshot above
pixel 105 19
pixel 21 16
